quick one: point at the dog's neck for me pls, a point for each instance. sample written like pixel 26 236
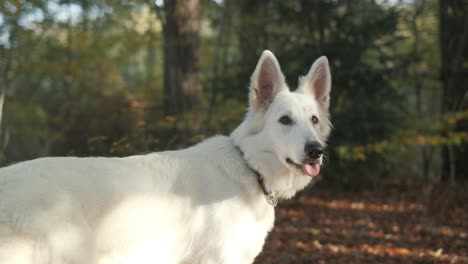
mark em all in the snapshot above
pixel 278 180
pixel 269 196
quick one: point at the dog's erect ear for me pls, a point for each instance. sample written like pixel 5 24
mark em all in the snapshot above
pixel 267 81
pixel 318 82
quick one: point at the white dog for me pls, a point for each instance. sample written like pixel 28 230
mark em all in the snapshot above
pixel 210 203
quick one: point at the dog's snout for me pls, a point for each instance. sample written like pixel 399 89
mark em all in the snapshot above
pixel 313 150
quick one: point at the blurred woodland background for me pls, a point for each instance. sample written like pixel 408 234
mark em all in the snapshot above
pixel 122 77
pixel 113 78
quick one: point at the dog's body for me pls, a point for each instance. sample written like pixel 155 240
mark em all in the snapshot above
pixel 172 207
pixel 203 204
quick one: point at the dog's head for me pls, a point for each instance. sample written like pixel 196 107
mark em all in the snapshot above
pixel 290 127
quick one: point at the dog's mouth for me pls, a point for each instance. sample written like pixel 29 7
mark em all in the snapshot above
pixel 309 167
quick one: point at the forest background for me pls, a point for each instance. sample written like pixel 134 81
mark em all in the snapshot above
pixel 116 78
pixel 123 77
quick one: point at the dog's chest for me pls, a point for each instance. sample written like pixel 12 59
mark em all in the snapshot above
pixel 234 239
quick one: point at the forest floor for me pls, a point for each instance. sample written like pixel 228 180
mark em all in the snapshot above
pixel 390 223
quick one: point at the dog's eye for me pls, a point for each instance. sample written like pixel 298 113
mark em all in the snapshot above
pixel 285 120
pixel 315 120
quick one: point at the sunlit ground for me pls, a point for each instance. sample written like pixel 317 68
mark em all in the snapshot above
pixel 388 224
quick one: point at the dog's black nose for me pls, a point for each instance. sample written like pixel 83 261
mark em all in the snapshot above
pixel 313 150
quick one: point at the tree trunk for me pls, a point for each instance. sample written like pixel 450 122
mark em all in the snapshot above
pixel 453 16
pixel 182 87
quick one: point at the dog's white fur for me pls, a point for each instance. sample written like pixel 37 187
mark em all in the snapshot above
pixel 198 205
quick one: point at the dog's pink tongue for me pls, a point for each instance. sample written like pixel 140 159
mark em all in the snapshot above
pixel 311 169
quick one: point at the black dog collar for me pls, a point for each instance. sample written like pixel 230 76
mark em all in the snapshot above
pixel 271 199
